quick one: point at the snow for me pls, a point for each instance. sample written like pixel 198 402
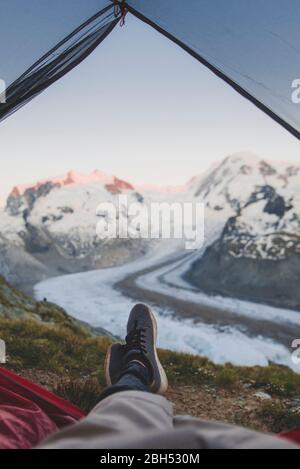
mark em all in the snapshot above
pixel 183 291
pixel 10 227
pixel 91 297
pixel 71 178
pixel 231 183
pixel 69 214
pixel 168 280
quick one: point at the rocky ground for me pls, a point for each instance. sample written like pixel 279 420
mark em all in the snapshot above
pixel 240 404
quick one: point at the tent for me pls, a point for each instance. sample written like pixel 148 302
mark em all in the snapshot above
pixel 29 413
pixel 253 46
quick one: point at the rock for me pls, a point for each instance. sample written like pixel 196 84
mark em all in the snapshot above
pixel 295 410
pixel 263 396
pixel 247 386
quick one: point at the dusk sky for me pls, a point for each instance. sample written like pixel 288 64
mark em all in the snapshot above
pixel 139 108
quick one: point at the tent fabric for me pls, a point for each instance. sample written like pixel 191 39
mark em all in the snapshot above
pixel 41 41
pixel 29 413
pixel 253 46
pixel 293 436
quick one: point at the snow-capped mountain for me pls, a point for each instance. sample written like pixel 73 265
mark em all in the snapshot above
pixel 23 198
pixel 50 227
pixel 261 202
pixel 258 254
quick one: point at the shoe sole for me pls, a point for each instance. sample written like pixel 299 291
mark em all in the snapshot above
pixel 106 366
pixel 162 374
pixel 107 363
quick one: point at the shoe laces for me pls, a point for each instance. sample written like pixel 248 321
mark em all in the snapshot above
pixel 136 339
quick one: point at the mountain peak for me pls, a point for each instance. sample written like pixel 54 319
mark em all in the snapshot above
pixel 25 196
pixel 247 158
pixel 72 177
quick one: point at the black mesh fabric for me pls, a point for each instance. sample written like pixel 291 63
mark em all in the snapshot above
pixel 254 45
pixel 41 41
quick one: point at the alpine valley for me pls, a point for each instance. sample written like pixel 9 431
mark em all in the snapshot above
pixel 48 229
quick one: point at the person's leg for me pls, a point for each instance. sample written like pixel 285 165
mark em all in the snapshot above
pixel 127 406
pixel 135 366
pixel 121 417
pixel 134 420
pixel 135 377
pixel 216 435
pixel 129 415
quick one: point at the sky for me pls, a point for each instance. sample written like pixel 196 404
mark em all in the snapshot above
pixel 139 108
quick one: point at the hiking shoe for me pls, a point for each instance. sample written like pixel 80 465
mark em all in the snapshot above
pixel 140 347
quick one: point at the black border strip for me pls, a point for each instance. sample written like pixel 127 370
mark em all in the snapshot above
pixel 217 72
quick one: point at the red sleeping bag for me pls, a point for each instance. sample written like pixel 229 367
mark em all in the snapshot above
pixel 29 413
pixel 293 436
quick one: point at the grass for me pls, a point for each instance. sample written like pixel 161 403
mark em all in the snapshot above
pixel 16 305
pixel 278 417
pixel 66 351
pixel 67 359
pixel 275 380
pixel 82 392
pixel 70 351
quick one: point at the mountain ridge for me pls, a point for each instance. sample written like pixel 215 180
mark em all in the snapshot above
pixel 257 257
pixel 49 228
